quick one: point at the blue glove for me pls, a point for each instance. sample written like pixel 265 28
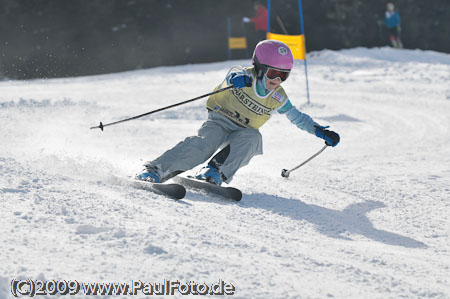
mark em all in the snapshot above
pixel 331 138
pixel 240 80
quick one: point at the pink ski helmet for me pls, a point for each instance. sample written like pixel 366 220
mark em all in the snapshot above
pixel 272 53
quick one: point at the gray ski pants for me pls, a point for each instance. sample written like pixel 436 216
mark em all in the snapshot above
pixel 216 133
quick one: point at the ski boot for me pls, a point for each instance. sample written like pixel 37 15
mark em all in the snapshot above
pixel 210 174
pixel 149 174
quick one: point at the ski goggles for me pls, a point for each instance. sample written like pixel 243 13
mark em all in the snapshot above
pixel 273 73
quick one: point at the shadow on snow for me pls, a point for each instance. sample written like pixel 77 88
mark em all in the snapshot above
pixel 332 223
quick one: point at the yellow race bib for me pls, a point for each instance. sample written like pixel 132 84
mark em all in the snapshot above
pixel 244 106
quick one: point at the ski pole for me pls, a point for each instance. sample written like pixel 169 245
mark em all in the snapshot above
pixel 285 173
pixel 101 126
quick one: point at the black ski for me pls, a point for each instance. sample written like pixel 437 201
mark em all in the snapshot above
pixel 224 192
pixel 175 191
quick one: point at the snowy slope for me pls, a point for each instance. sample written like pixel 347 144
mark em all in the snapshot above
pixel 367 219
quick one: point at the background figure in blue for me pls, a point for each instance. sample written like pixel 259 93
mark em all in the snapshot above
pixel 392 22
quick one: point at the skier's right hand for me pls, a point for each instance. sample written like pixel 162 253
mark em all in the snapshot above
pixel 240 80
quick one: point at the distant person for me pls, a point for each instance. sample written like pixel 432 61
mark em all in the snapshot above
pixel 234 119
pixel 392 22
pixel 260 21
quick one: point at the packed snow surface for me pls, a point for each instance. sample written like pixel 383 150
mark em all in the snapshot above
pixel 366 219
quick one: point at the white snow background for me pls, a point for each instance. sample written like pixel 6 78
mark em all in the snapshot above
pixel 366 219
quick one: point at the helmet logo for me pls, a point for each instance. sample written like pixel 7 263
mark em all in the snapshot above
pixel 282 50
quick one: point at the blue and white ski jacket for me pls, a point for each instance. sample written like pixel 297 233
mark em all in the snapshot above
pixel 392 19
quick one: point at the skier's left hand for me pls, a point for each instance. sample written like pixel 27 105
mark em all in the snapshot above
pixel 331 138
pixel 240 80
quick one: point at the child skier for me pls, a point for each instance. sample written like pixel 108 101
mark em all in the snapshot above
pixel 234 117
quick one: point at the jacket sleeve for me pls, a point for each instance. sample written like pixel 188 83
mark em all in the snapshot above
pixel 301 120
pixel 397 19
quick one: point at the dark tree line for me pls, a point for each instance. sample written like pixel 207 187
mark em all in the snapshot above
pixel 58 38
